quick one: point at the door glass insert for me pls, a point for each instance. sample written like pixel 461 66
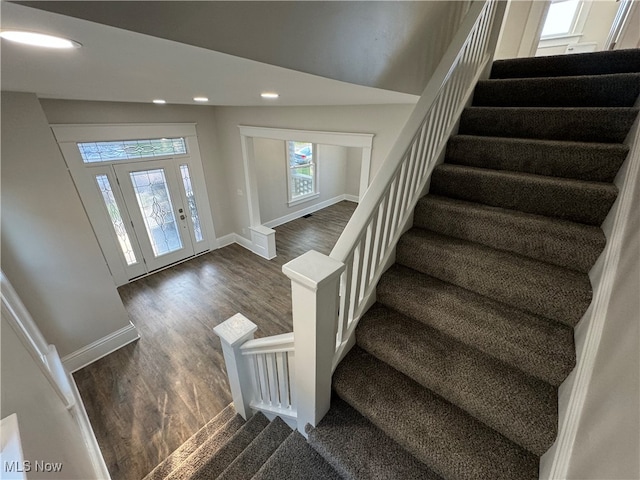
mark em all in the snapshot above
pixel 154 200
pixel 116 219
pixel 92 152
pixel 191 201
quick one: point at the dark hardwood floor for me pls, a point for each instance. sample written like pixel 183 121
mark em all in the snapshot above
pixel 147 398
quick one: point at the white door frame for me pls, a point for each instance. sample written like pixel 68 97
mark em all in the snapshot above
pixel 68 135
pixel 248 133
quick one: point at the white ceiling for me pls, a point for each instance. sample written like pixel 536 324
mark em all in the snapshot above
pixel 124 66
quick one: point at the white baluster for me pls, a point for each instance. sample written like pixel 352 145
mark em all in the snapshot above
pixel 314 292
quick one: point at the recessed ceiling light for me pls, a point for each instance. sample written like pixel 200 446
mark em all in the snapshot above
pixel 159 101
pixel 39 39
pixel 200 99
pixel 269 95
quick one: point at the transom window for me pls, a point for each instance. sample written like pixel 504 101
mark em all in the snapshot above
pixel 131 149
pixel 302 169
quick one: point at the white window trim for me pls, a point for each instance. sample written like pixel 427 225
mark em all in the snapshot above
pixel 316 184
pixel 68 135
pixel 576 29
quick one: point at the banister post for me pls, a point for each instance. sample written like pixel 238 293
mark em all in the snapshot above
pixel 315 280
pixel 233 333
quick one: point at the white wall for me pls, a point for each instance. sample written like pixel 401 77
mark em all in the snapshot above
pixel 608 440
pixel 215 169
pixel 47 430
pixel 384 121
pixel 49 251
pixel 520 29
pixel 271 169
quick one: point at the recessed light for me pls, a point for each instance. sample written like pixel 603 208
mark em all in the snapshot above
pixel 159 101
pixel 39 39
pixel 200 99
pixel 270 95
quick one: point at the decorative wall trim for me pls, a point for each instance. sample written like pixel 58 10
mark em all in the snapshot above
pixel 343 139
pixel 305 211
pixel 100 348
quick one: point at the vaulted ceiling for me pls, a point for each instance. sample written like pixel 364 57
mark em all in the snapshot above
pixel 312 53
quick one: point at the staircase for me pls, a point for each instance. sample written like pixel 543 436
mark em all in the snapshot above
pixel 456 367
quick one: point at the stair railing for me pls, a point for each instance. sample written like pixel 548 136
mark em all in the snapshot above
pixel 331 293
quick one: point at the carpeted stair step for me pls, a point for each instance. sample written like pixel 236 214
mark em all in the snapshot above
pixel 605 125
pixel 519 406
pixel 293 459
pixel 216 432
pixel 445 438
pixel 537 287
pixel 615 90
pixel 257 452
pixel 573 200
pixel 560 242
pixel 373 456
pixel 596 162
pixel 536 345
pixel 207 462
pixel 596 63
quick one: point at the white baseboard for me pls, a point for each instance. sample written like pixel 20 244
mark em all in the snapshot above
pixel 226 240
pixel 305 211
pixel 351 198
pixel 100 348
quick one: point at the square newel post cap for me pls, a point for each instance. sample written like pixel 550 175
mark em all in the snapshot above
pixel 313 269
pixel 235 330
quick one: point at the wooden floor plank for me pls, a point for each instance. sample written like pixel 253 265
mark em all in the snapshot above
pixel 147 398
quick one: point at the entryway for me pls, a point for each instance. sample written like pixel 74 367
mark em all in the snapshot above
pixel 143 191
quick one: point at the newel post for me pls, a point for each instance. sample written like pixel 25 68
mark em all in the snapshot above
pixel 315 280
pixel 233 333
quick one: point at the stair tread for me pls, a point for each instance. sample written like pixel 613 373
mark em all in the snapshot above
pixel 519 406
pixel 295 458
pixel 552 240
pixel 446 439
pixel 537 287
pixel 216 432
pixel 594 63
pixel 209 460
pixel 538 346
pixel 374 455
pixel 589 161
pixel 608 90
pixel 574 200
pixel 257 452
pixel 586 124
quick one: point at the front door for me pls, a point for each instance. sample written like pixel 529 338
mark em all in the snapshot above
pixel 158 209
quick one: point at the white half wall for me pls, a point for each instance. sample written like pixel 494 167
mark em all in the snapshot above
pixel 49 251
pixel 48 431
